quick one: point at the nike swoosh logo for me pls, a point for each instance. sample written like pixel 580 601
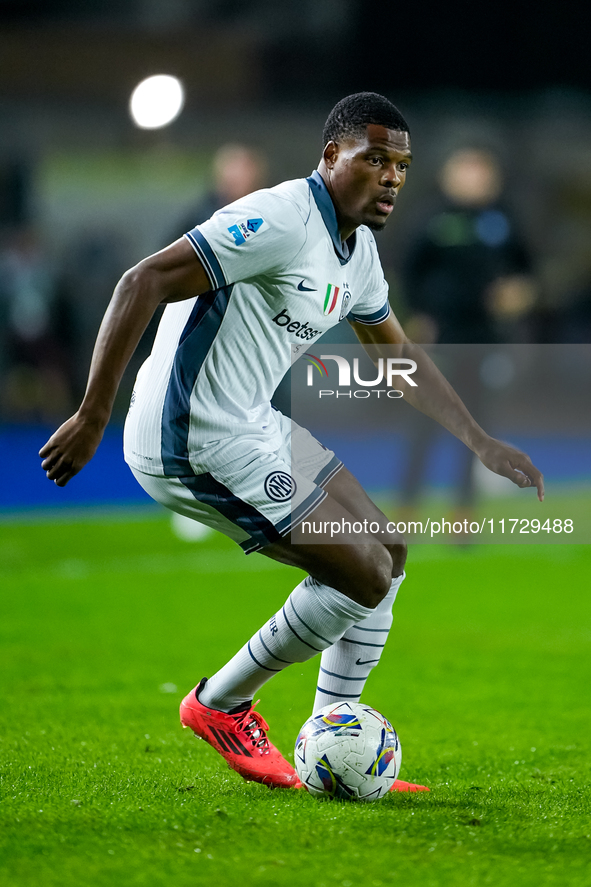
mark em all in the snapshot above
pixel 305 289
pixel 366 661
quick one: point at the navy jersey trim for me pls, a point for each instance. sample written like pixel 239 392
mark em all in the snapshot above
pixel 343 248
pixel 207 257
pixel 377 317
pixel 328 472
pixel 302 511
pixel 288 523
pixel 205 488
pixel 196 339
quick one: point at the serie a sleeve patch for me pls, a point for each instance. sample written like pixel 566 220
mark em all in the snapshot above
pixel 241 231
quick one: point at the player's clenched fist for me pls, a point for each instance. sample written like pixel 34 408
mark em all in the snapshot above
pixel 70 448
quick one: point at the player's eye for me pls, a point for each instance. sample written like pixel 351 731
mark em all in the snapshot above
pixel 403 166
pixel 376 161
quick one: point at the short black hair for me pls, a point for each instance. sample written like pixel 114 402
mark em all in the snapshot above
pixel 349 117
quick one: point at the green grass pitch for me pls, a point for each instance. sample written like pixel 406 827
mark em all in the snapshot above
pixel 486 677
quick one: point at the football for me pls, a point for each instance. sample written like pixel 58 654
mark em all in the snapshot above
pixel 348 751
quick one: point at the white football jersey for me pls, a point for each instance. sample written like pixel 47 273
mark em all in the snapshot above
pixel 280 277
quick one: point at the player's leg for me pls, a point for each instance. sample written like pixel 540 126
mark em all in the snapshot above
pixel 315 615
pixel 358 566
pixel 349 581
pixel 348 492
pixel 346 665
pixel 346 583
pixel 351 569
pixel 241 736
pixel 297 636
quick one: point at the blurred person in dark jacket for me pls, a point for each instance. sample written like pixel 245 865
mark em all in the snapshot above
pixel 467 280
pixel 37 332
pixel 237 170
pixel 467 275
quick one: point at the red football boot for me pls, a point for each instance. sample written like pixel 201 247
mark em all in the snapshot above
pixel 400 786
pixel 241 738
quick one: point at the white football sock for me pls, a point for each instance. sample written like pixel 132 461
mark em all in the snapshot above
pixel 313 618
pixel 345 667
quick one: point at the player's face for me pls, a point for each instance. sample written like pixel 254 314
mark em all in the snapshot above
pixel 365 176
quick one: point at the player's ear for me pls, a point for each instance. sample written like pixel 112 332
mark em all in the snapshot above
pixel 330 154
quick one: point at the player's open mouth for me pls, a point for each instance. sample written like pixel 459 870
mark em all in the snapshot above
pixel 385 205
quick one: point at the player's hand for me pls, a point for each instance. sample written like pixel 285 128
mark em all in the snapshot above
pixel 510 462
pixel 70 448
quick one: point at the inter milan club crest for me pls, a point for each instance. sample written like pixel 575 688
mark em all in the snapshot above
pixel 345 303
pixel 279 486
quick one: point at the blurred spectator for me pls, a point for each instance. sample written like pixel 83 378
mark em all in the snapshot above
pixel 237 171
pixel 467 276
pixel 93 261
pixel 467 280
pixel 36 333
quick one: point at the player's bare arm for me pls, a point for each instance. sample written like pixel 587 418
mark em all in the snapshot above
pixel 435 397
pixel 171 275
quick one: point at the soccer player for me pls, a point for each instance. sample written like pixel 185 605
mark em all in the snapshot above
pixel 202 438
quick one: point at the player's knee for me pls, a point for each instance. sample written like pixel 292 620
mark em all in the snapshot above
pixel 398 553
pixel 375 577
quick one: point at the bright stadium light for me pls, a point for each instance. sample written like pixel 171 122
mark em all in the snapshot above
pixel 156 101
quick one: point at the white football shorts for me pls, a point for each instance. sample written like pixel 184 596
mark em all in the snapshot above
pixel 257 496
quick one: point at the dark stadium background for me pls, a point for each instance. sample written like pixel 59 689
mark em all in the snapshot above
pixel 99 194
